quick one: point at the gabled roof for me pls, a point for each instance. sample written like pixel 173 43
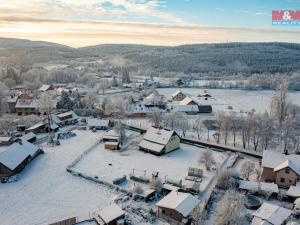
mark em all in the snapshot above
pixel 176 93
pixel 111 213
pixel 183 203
pixel 17 153
pixel 45 87
pixel 28 136
pixel 273 214
pixel 287 164
pixel 159 136
pixel 294 191
pixel 186 101
pixel 27 103
pixel 273 159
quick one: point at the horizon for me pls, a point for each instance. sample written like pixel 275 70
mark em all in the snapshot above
pixel 149 22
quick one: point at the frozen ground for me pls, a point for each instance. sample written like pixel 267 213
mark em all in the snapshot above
pixel 47 193
pixel 239 99
pixel 173 165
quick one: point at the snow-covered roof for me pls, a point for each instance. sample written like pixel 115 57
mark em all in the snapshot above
pixel 27 103
pixel 152 96
pixel 183 108
pixel 86 90
pixel 159 136
pixel 35 126
pixel 176 93
pixel 273 214
pixel 4 139
pixel 269 187
pixel 183 203
pixel 186 101
pixel 151 145
pixel 95 122
pixel 170 187
pixel 17 153
pixel 294 191
pixel 287 164
pixel 28 136
pixel 273 159
pixel 11 99
pixel 248 185
pixel 60 117
pixel 111 213
pixel 45 87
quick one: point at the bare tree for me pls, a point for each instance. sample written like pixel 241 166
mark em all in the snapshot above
pixel 280 104
pixel 104 85
pixel 156 184
pixel 156 117
pixel 230 210
pixel 207 159
pixel 226 180
pixel 234 126
pixel 137 189
pixel 247 168
pixel 198 127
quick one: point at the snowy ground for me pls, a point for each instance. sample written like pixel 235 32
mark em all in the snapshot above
pixel 173 165
pixel 47 193
pixel 238 99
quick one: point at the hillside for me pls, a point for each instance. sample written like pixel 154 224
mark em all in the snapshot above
pixel 209 59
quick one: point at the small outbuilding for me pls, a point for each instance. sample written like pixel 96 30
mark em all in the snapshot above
pixel 99 124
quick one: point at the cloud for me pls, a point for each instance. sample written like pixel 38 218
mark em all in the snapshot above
pixel 78 33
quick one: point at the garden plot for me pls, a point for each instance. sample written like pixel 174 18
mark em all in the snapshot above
pixel 47 191
pixel 109 165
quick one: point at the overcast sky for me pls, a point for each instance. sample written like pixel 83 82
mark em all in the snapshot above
pixel 156 22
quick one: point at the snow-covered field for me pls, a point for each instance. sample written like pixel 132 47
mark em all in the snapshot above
pixel 109 165
pixel 238 99
pixel 47 193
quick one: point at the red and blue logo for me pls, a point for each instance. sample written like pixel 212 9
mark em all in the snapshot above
pixel 286 17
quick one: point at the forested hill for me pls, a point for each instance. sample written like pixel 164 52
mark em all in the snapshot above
pixel 245 58
pixel 212 59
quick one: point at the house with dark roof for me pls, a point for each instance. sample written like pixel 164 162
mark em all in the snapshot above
pixel 282 169
pixel 159 141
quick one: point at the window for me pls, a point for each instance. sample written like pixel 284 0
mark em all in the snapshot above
pixel 287 170
pixel 282 180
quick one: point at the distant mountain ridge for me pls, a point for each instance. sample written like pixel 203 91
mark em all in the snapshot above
pixel 223 58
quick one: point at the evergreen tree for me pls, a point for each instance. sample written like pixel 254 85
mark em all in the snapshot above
pixel 65 102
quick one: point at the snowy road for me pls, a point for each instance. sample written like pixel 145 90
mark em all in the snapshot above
pixel 47 193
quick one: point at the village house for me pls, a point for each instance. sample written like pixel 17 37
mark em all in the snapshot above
pixel 14 159
pixel 25 106
pixel 111 215
pixel 282 169
pixel 159 141
pixel 11 101
pixel 178 96
pixel 67 118
pixel 177 207
pixel 270 214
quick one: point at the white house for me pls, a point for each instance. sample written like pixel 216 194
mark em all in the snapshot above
pixel 99 124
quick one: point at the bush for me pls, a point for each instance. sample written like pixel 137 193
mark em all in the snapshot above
pixel 226 180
